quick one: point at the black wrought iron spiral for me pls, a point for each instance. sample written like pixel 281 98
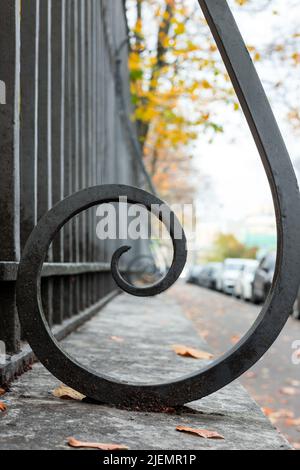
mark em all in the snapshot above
pixel 279 304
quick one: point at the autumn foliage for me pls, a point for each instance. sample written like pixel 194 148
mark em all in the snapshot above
pixel 228 246
pixel 177 77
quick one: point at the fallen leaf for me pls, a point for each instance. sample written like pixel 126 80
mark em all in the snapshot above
pixel 117 339
pixel 294 383
pixel 2 392
pixel 66 393
pixel 268 411
pixel 94 445
pixel 185 351
pixel 204 433
pixel 3 407
pixel 235 339
pixel 281 414
pixel 292 422
pixel 275 416
pixel 250 375
pixel 291 391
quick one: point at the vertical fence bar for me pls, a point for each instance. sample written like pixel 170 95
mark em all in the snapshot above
pixel 95 132
pixel 45 138
pixel 98 134
pixel 80 137
pixel 76 156
pixel 89 139
pixel 83 131
pixel 72 147
pixel 73 144
pixel 68 164
pixel 111 112
pixel 105 176
pixel 30 25
pixel 9 167
pixel 58 98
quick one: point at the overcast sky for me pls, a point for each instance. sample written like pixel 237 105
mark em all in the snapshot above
pixel 238 182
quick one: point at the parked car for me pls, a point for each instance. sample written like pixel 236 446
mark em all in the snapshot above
pixel 244 284
pixel 208 275
pixel 193 274
pixel 230 273
pixel 215 275
pixel 263 278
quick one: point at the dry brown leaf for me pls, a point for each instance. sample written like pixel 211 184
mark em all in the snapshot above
pixel 250 375
pixel 204 433
pixel 2 392
pixel 294 383
pixel 293 422
pixel 117 339
pixel 268 411
pixel 94 445
pixel 3 407
pixel 275 416
pixel 66 393
pixel 291 391
pixel 185 351
pixel 235 339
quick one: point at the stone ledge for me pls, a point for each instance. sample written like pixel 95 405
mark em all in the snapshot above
pixel 148 327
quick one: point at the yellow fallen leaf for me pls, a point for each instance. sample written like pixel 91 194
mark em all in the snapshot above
pixel 204 433
pixel 94 445
pixel 185 351
pixel 3 407
pixel 66 393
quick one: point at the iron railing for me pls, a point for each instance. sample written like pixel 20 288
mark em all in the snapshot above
pixel 213 376
pixel 61 130
pixel 71 138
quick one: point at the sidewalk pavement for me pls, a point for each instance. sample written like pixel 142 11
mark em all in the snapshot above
pixel 132 339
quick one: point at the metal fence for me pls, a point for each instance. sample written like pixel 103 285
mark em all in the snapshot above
pixel 65 89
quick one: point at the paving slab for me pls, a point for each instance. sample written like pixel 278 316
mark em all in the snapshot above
pixel 132 339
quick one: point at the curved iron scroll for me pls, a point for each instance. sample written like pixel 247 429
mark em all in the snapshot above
pixel 287 276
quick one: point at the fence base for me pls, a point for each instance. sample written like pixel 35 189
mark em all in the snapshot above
pixel 21 362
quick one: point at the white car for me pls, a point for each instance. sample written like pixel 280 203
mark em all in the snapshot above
pixel 243 286
pixel 230 273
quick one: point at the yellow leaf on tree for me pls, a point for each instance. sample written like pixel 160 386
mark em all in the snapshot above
pixel 180 29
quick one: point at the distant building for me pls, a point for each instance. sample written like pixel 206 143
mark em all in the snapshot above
pixel 259 230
